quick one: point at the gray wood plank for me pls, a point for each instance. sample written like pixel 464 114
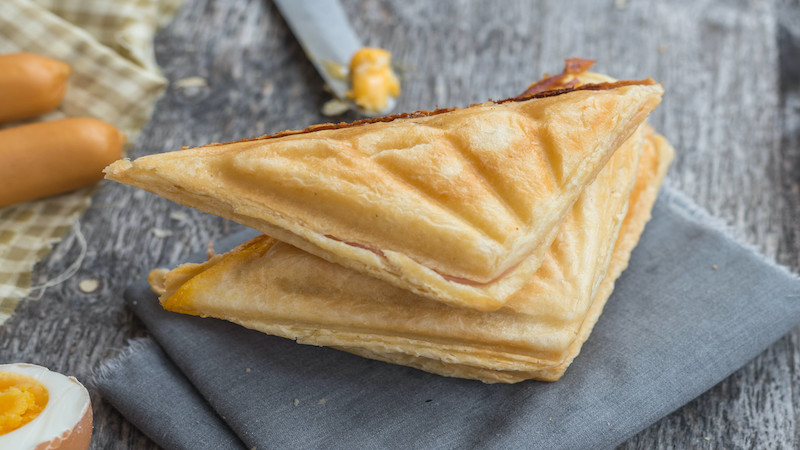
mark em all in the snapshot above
pixel 732 110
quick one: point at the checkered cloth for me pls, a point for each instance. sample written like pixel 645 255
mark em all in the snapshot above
pixel 109 45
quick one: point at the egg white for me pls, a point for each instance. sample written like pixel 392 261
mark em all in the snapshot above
pixel 67 405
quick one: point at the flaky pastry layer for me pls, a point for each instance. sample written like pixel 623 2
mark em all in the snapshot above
pixel 457 206
pixel 278 289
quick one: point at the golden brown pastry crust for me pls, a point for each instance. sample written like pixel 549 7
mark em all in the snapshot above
pixel 457 206
pixel 281 290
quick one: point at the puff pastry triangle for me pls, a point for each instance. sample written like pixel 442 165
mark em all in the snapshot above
pixel 458 205
pixel 278 289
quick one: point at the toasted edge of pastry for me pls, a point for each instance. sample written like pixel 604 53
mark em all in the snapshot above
pixel 432 278
pixel 475 362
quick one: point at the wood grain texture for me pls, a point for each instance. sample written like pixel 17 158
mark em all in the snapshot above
pixel 732 110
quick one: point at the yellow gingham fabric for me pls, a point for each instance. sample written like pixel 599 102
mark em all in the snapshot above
pixel 109 45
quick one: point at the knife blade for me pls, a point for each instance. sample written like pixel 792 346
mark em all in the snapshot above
pixel 328 39
pixel 324 32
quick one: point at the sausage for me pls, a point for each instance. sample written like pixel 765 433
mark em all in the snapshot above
pixel 30 85
pixel 48 158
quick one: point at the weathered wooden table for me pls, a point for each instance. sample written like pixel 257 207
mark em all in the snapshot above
pixel 731 70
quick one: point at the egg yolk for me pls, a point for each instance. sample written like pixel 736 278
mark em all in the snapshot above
pixel 22 398
pixel 372 80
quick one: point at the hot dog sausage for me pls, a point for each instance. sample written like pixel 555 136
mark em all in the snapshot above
pixel 47 158
pixel 30 85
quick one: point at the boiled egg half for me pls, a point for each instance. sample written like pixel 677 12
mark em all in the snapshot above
pixel 41 409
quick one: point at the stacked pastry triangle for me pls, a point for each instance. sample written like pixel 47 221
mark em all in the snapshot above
pixel 480 242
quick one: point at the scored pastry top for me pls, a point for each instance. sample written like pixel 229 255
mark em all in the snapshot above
pixel 278 289
pixel 457 205
pixel 273 287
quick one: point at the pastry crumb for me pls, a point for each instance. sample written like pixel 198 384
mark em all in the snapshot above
pixel 714 267
pixel 89 285
pixel 321 401
pixel 296 402
pixel 191 82
pixel 335 107
pixel 248 370
pixel 662 48
pixel 178 216
pixel 161 233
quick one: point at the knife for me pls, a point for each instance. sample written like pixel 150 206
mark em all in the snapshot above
pixel 328 39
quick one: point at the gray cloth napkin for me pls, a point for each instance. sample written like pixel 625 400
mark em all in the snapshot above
pixel 146 386
pixel 692 308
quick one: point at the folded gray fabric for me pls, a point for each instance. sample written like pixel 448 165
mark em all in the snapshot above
pixel 692 308
pixel 152 393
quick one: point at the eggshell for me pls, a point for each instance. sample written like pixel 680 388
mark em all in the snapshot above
pixel 66 421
